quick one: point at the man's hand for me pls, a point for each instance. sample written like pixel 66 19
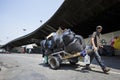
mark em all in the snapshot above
pixel 101 46
pixel 95 48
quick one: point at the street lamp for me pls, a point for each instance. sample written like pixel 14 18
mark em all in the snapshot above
pixel 41 21
pixel 24 29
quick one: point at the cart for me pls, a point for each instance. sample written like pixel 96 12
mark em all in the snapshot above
pixel 55 59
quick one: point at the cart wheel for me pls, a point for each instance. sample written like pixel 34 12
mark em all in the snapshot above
pixel 73 61
pixel 54 62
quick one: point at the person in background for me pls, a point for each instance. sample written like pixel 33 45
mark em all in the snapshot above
pixel 96 45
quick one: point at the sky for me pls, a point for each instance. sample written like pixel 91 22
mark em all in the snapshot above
pixel 21 17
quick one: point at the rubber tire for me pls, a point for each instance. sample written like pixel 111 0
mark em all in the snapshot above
pixel 54 62
pixel 73 47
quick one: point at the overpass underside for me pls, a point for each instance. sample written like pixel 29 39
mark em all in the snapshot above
pixel 82 16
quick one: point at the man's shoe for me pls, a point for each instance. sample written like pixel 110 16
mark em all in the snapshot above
pixel 106 69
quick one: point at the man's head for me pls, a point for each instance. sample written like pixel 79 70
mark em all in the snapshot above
pixel 99 28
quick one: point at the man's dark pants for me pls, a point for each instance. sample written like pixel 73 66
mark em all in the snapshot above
pixel 97 57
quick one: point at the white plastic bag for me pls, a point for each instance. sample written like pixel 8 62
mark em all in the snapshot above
pixel 87 59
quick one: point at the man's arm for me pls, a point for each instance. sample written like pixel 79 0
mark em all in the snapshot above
pixel 93 43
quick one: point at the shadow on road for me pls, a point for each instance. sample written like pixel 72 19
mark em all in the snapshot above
pixel 110 61
pixel 72 67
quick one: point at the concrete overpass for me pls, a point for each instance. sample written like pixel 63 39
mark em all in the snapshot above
pixel 82 16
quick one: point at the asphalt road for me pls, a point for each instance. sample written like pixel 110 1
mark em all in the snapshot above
pixel 31 67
